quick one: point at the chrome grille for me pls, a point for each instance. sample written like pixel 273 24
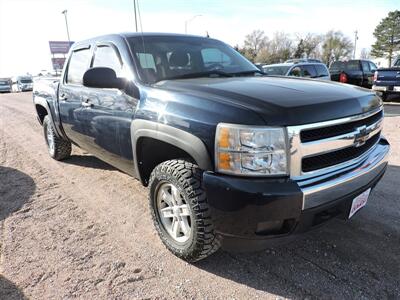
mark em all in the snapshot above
pixel 324 147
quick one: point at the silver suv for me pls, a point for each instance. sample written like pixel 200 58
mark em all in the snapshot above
pixel 298 69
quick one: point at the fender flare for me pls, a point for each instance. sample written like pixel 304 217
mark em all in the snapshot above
pixel 43 102
pixel 171 135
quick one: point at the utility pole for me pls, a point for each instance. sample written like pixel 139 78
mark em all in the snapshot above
pixel 134 8
pixel 64 12
pixel 355 43
pixel 190 20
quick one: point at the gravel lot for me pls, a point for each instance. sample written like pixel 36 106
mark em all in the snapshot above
pixel 81 229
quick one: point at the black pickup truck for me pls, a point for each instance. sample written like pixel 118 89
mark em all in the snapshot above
pixel 231 157
pixel 356 71
pixel 387 80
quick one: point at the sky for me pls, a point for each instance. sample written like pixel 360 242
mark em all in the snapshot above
pixel 26 26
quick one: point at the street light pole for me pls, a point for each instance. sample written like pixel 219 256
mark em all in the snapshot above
pixel 190 20
pixel 64 12
pixel 355 43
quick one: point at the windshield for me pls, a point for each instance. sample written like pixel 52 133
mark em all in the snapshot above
pixel 26 81
pixel 4 82
pixel 397 63
pixel 276 70
pixel 166 57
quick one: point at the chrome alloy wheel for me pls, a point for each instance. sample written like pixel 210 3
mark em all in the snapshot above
pixel 174 212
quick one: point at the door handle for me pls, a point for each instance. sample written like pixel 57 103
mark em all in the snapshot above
pixel 63 97
pixel 87 103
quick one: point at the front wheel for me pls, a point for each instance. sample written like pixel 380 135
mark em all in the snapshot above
pixel 180 211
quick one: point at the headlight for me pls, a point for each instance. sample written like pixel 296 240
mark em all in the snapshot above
pixel 250 150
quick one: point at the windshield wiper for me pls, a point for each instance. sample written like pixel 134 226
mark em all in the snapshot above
pixel 248 72
pixel 200 74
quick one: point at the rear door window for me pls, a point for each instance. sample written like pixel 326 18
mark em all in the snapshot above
pixel 365 66
pixel 309 71
pixel 78 64
pixel 106 56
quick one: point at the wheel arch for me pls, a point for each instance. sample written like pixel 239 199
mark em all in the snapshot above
pixel 148 137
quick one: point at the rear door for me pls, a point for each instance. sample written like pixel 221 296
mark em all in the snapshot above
pixel 368 75
pixel 71 93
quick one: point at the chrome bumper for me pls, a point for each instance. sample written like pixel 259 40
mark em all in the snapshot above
pixel 348 181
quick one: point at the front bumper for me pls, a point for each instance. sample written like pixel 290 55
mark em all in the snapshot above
pixel 252 213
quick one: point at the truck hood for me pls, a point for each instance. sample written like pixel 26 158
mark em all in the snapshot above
pixel 281 100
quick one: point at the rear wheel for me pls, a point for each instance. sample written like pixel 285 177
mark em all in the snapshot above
pixel 180 211
pixel 59 149
pixel 384 96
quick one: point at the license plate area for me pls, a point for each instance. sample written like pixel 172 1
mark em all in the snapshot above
pixel 359 202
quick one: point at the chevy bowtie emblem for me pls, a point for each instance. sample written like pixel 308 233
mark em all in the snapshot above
pixel 361 136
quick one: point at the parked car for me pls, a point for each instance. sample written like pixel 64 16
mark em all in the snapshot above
pixel 387 80
pixel 357 72
pixel 298 69
pixel 22 83
pixel 231 157
pixel 5 85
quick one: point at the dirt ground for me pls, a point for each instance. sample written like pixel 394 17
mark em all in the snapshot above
pixel 81 229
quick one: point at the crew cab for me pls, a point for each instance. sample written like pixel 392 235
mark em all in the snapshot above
pixel 231 157
pixel 356 71
pixel 387 80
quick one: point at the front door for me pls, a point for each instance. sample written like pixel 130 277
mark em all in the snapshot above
pixel 109 113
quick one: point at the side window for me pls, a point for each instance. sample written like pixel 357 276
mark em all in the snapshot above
pixel 353 65
pixel 321 70
pixel 296 71
pixel 337 66
pixel 309 71
pixel 365 66
pixel 78 64
pixel 372 66
pixel 215 56
pixel 106 56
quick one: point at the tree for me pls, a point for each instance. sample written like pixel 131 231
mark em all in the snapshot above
pixel 254 42
pixel 387 35
pixel 308 46
pixel 312 44
pixel 335 46
pixel 280 48
pixel 299 50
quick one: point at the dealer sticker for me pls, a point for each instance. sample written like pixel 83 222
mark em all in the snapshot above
pixel 359 202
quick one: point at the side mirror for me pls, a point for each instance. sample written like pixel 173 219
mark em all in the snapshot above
pixel 100 77
pixel 106 78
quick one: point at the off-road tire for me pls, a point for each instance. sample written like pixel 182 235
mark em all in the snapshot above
pixel 62 148
pixel 187 177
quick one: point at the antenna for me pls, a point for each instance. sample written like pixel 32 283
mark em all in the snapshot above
pixel 134 8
